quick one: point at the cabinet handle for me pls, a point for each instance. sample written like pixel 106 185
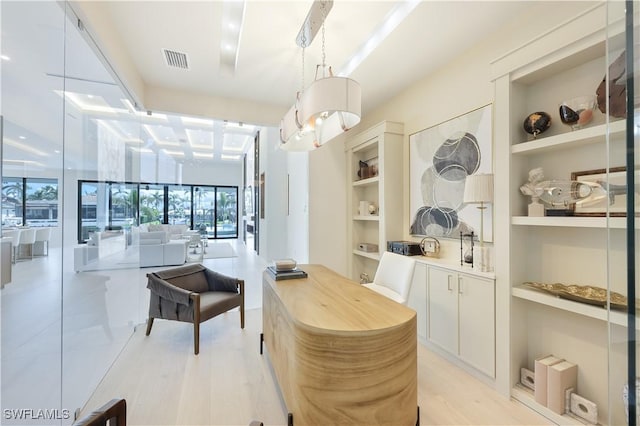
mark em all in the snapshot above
pixel 459 285
pixel 449 283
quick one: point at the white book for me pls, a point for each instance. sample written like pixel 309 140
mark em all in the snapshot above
pixel 560 377
pixel 540 373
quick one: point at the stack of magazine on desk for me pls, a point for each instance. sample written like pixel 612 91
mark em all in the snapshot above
pixel 286 274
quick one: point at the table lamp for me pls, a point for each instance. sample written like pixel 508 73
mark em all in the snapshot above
pixel 478 189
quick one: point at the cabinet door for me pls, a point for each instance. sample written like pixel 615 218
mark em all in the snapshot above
pixel 476 304
pixel 443 309
pixel 418 298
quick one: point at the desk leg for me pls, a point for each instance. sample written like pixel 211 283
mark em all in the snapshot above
pixel 261 342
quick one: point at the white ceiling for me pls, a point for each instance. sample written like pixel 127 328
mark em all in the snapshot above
pixel 269 66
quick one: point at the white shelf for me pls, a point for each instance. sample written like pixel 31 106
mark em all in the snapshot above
pixel 368 255
pixel 582 137
pixel 591 311
pixel 526 396
pixel 571 221
pixel 371 218
pixel 368 181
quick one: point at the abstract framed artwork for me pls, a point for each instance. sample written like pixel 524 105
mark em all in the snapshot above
pixel 613 196
pixel 440 159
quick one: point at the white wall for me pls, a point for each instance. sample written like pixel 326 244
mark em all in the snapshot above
pixel 460 86
pixel 273 227
pixel 298 206
pixel 284 229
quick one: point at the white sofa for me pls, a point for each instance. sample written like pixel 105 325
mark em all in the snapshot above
pixel 156 249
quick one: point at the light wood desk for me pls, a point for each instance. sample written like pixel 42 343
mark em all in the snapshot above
pixel 342 354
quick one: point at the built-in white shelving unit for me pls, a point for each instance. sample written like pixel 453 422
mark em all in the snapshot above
pixel 381 145
pixel 567 62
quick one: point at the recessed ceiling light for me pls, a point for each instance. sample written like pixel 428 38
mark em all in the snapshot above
pixel 389 23
pixel 5 58
pixel 22 137
pixel 230 31
pixel 23 147
pixel 229 157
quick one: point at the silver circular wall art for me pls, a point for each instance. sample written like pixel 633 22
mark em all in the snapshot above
pixel 442 185
pixel 460 151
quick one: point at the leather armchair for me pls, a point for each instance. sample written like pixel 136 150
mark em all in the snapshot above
pixel 193 293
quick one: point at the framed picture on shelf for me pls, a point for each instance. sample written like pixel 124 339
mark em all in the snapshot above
pixel 440 159
pixel 613 194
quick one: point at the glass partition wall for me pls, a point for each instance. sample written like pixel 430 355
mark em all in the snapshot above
pixel 64 121
pixel 623 101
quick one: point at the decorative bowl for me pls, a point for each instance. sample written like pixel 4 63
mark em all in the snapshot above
pixel 577 112
pixel 536 123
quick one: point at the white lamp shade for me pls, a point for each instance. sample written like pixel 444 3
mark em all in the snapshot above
pixel 292 138
pixel 288 127
pixel 325 98
pixel 478 188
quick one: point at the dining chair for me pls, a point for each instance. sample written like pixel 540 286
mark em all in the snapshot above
pixel 42 236
pixel 27 238
pixel 14 234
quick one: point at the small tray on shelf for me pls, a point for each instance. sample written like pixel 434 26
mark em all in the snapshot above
pixel 582 293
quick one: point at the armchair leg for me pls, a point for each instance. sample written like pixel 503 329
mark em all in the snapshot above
pixel 196 337
pixel 149 325
pixel 242 316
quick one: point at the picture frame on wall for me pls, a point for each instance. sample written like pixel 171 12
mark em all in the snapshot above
pixel 440 159
pixel 614 188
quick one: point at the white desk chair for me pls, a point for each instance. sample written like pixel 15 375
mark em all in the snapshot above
pixel 43 235
pixel 27 238
pixel 393 277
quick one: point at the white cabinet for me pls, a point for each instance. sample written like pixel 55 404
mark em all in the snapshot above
pixel 564 63
pixel 380 147
pixel 418 299
pixel 461 310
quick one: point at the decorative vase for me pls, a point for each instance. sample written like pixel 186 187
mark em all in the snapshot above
pixel 536 208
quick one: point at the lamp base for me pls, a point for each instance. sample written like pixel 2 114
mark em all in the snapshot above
pixel 484 259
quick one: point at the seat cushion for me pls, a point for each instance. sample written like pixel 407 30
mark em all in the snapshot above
pixel 385 291
pixel 216 302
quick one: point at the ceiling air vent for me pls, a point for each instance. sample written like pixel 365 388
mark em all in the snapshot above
pixel 175 59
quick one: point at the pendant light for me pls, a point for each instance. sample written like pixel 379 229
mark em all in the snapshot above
pixel 294 134
pixel 331 104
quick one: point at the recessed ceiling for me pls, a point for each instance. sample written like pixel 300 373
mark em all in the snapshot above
pixel 268 69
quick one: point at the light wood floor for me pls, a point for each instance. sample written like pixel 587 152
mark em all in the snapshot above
pixel 230 383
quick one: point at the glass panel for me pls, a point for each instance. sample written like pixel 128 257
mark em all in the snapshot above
pixel 180 205
pixel 151 204
pixel 204 199
pixel 31 337
pixel 617 92
pixel 12 201
pixel 100 304
pixel 227 212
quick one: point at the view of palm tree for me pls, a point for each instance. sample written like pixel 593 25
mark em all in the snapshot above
pixel 29 201
pixel 214 209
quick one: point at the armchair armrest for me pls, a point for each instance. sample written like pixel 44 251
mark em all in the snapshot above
pixel 167 291
pixel 114 412
pixel 218 282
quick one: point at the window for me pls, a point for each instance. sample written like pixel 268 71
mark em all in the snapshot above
pixel 213 210
pixel 29 201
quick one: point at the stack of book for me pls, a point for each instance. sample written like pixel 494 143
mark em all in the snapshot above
pixel 286 274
